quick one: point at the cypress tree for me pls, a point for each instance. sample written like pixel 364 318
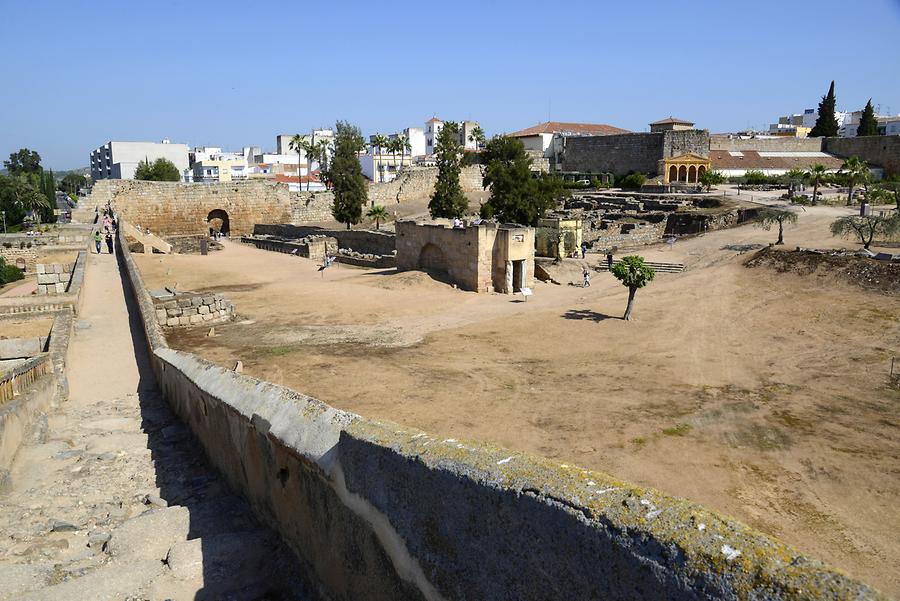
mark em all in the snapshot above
pixel 826 125
pixel 448 199
pixel 348 183
pixel 868 125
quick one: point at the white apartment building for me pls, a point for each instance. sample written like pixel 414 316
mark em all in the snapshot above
pixel 119 160
pixel 434 126
pixel 416 138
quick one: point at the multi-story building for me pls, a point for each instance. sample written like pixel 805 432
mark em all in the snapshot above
pixel 416 138
pixel 432 129
pixel 119 160
pixel 434 126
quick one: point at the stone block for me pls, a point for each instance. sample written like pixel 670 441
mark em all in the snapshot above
pixel 203 310
pixel 40 268
pixel 184 320
pixel 197 301
pixel 42 289
pixel 161 315
pixel 208 317
pixel 208 300
pixel 47 278
pixel 172 321
pixel 173 312
pixel 218 296
pixel 170 304
pixel 196 318
pixel 61 288
pixel 184 302
pixel 57 268
pixel 190 310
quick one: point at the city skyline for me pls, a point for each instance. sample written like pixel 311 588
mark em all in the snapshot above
pixel 231 78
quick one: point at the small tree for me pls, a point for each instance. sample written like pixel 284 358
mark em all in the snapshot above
pixel 633 274
pixel 345 173
pixel 868 124
pixel 448 199
pixel 866 227
pixel 887 190
pixel 380 142
pixel 477 136
pixel 755 177
pixel 160 170
pixel 826 123
pixel 632 181
pixel 710 178
pixel 854 172
pixel 769 217
pixel 379 214
pixel 816 175
pixel 793 177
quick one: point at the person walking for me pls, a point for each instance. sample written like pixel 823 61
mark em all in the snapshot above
pixel 109 242
pixel 609 260
pixel 586 278
pixel 97 240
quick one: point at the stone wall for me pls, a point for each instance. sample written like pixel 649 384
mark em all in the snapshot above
pixel 71 298
pixel 625 234
pixel 623 153
pixel 53 278
pixel 373 242
pixel 779 144
pixel 418 183
pixel 383 512
pixel 883 151
pixel 183 209
pixel 311 207
pixel 191 309
pixel 313 247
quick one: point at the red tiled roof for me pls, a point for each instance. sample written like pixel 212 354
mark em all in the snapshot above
pixel 552 127
pixel 293 179
pixel 750 159
pixel 672 120
pixel 434 120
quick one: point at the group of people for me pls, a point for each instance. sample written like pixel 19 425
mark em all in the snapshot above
pixel 586 275
pixel 109 224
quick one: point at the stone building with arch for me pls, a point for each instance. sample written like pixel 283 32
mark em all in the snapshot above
pixel 684 168
pixel 486 257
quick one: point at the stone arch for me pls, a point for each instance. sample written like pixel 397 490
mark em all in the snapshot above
pixel 20 263
pixel 431 258
pixel 682 173
pixel 700 171
pixel 673 173
pixel 217 221
pixel 692 174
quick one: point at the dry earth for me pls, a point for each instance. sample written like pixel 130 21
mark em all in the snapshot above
pixel 763 395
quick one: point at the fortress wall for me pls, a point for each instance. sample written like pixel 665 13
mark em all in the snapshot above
pixel 379 511
pixel 171 208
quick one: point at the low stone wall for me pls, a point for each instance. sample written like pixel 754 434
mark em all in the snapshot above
pixel 371 261
pixel 372 242
pixel 381 512
pixel 311 207
pixel 25 391
pixel 71 298
pixel 313 247
pixel 53 278
pixel 191 309
pixel 624 234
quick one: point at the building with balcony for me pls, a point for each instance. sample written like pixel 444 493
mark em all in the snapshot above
pixel 119 160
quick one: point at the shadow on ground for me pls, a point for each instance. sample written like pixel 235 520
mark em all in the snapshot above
pixel 588 315
pixel 240 559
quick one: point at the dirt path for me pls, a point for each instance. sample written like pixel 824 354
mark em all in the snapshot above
pixel 111 499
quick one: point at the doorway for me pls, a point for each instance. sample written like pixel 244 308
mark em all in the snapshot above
pixel 518 275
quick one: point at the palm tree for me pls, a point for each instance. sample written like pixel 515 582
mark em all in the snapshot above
pixel 298 145
pixel 816 174
pixel 855 172
pixel 793 176
pixel 28 197
pixel 477 136
pixel 312 154
pixel 379 141
pixel 379 214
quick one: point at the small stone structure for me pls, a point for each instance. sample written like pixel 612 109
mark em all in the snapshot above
pixel 313 247
pixel 174 309
pixel 483 258
pixel 558 236
pixel 53 278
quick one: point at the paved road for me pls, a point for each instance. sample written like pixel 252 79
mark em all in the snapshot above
pixel 112 499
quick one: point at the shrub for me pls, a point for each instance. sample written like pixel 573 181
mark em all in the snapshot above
pixel 755 178
pixel 9 273
pixel 632 181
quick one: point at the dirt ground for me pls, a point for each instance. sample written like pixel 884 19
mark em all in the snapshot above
pixel 763 395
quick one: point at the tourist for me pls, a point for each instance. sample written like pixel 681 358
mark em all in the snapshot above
pixel 109 242
pixel 609 260
pixel 457 222
pixel 97 240
pixel 586 275
pixel 583 249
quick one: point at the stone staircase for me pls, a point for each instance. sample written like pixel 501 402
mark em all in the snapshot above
pixel 660 267
pixel 150 241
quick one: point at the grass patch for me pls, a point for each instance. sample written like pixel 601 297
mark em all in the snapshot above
pixel 639 442
pixel 279 351
pixel 677 430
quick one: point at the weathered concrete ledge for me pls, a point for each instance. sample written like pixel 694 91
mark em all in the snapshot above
pixel 25 391
pixel 379 511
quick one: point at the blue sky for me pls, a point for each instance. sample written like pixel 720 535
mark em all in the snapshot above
pixel 236 73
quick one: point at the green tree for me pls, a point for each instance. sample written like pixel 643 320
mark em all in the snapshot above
pixel 710 178
pixel 887 189
pixel 769 217
pixel 23 162
pixel 816 175
pixel 633 274
pixel 160 170
pixel 9 273
pixel 854 172
pixel 866 227
pixel 325 152
pixel 755 177
pixel 794 177
pixel 379 214
pixel 517 194
pixel 477 136
pixel 868 124
pixel 632 181
pixel 380 144
pixel 345 174
pixel 299 145
pixel 826 123
pixel 448 199
pixel 72 182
